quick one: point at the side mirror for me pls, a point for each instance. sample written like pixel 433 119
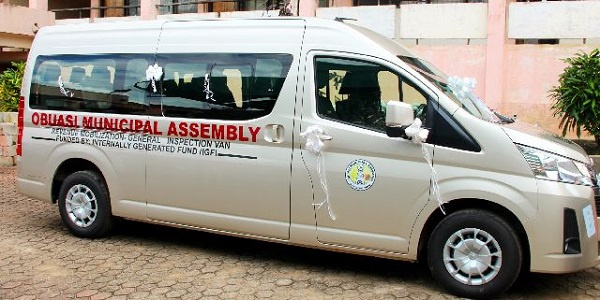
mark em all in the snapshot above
pixel 398 116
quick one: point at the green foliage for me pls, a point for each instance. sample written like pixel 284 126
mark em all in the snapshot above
pixel 10 87
pixel 577 97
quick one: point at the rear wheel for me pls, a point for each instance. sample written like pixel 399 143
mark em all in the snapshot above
pixel 84 205
pixel 475 254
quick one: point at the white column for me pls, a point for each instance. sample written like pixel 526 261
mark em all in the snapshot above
pixel 39 4
pixel 495 51
pixel 148 10
pixel 94 13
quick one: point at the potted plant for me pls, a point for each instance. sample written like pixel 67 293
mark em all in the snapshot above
pixel 577 96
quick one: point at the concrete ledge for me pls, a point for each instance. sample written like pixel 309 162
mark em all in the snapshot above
pixel 191 16
pixel 442 42
pixel 407 42
pixel 8 128
pixel 553 20
pixel 381 19
pixel 592 41
pixel 19 20
pixel 250 14
pixel 6 161
pixel 73 21
pixel 443 21
pixel 9 151
pixel 115 19
pixel 477 41
pixel 7 140
pixel 571 41
pixel 11 117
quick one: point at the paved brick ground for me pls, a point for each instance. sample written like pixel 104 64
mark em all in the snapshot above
pixel 39 259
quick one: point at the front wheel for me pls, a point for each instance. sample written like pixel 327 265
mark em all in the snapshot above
pixel 475 254
pixel 84 205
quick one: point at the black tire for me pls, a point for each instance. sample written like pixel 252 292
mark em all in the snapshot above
pixel 465 228
pixel 88 212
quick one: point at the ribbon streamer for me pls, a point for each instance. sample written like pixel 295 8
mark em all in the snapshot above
pixel 207 91
pixel 418 135
pixel 154 73
pixel 61 86
pixel 314 136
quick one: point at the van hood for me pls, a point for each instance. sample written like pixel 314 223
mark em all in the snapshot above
pixel 536 137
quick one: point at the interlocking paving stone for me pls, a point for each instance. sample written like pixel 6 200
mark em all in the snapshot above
pixel 40 259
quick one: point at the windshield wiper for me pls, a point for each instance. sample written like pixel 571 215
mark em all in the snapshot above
pixel 504 119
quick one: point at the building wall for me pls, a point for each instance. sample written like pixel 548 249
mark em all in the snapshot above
pixel 71 4
pixel 562 20
pixel 463 39
pixel 478 40
pixel 19 20
pixel 532 70
pixel 8 138
pixel 18 25
pixel 457 60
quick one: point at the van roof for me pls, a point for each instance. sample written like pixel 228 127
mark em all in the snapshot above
pixel 309 23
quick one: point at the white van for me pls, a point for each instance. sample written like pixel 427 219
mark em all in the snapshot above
pixel 295 131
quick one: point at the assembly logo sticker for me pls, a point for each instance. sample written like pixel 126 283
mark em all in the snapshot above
pixel 360 175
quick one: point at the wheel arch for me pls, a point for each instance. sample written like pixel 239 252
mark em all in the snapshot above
pixel 67 168
pixel 471 203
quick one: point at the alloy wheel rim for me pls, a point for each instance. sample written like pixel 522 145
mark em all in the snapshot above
pixel 81 205
pixel 472 256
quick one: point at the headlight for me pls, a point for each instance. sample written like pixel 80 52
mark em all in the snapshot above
pixel 549 166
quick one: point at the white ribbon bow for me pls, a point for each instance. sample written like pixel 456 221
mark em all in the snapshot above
pixel 462 87
pixel 314 136
pixel 417 133
pixel 154 73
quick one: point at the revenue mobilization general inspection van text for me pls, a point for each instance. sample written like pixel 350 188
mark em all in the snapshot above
pixel 301 131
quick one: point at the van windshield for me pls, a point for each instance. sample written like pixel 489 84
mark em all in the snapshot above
pixel 453 88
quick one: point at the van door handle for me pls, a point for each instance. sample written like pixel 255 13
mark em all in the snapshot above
pixel 325 137
pixel 274 133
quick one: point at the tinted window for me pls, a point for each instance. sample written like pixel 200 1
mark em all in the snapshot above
pixel 221 86
pixel 212 86
pixel 357 92
pixel 92 83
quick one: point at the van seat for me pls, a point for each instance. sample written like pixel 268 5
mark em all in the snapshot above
pixel 363 106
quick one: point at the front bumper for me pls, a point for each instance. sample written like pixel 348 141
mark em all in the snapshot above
pixel 547 231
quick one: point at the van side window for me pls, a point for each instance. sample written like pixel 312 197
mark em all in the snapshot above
pixel 90 83
pixel 97 88
pixel 356 92
pixel 230 84
pixel 222 86
pixel 182 88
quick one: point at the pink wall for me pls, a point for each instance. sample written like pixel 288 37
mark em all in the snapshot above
pixel 495 53
pixel 529 72
pixel 38 4
pixel 532 70
pixel 462 61
pixel 307 8
pixel 148 10
pixel 20 20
